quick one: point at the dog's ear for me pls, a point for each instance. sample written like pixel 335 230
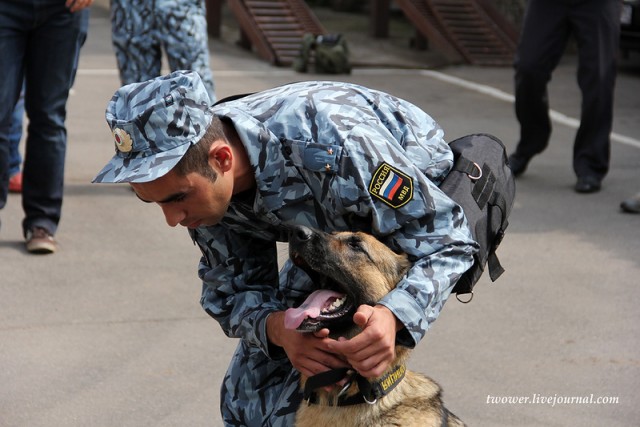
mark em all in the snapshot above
pixel 395 270
pixel 403 265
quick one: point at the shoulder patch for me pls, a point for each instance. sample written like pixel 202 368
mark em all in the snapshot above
pixel 391 186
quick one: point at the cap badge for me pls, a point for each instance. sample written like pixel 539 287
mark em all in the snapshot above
pixel 123 140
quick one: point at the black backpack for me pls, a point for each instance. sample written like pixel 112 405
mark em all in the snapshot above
pixel 482 183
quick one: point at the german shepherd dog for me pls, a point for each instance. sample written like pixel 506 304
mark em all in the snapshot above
pixel 351 269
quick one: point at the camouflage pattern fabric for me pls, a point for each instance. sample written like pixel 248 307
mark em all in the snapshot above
pixel 324 154
pixel 141 29
pixel 153 124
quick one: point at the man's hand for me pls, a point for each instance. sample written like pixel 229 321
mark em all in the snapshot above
pixel 308 353
pixel 372 350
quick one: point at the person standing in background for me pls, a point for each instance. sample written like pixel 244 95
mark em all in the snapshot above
pixel 40 40
pixel 140 30
pixel 15 130
pixel 546 29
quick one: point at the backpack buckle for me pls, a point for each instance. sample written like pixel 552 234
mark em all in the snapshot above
pixel 475 178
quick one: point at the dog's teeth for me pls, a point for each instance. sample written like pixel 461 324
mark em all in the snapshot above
pixel 335 305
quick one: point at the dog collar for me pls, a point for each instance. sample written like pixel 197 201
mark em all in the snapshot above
pixel 370 392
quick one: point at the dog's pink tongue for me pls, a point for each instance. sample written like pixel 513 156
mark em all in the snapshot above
pixel 293 317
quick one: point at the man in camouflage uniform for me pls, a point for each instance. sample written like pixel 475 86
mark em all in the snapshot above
pixel 141 29
pixel 333 156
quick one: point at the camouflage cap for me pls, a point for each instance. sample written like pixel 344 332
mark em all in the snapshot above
pixel 153 124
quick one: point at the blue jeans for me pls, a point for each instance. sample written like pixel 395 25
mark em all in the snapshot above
pixel 15 131
pixel 15 135
pixel 39 41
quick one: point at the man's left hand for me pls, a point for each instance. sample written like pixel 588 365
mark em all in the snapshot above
pixel 373 350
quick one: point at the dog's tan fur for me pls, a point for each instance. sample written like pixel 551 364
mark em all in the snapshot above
pixel 366 270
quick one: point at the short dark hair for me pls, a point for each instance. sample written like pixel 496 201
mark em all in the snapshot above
pixel 196 159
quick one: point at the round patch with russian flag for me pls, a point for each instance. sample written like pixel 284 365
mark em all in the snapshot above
pixel 391 186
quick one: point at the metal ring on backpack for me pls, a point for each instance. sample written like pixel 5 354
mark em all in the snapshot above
pixel 465 301
pixel 475 178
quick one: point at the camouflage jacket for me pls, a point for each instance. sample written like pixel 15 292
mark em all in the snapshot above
pixel 333 156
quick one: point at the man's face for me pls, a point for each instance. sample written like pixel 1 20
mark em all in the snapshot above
pixel 190 200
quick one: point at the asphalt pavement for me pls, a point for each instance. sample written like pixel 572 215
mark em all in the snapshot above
pixel 109 330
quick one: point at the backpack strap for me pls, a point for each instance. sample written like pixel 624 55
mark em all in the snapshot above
pixel 495 268
pixel 484 181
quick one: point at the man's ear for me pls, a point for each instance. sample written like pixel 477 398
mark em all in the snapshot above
pixel 221 156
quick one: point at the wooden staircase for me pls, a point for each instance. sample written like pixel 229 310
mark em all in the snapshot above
pixel 470 31
pixel 275 27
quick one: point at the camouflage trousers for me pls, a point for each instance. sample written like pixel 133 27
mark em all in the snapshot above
pixel 258 391
pixel 140 30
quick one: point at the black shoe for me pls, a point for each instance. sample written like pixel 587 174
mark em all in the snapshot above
pixel 518 164
pixel 587 184
pixel 632 204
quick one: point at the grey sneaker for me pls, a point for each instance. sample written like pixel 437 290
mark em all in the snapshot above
pixel 40 241
pixel 632 204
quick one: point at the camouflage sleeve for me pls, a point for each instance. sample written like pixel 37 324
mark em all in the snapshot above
pixel 395 186
pixel 438 258
pixel 240 284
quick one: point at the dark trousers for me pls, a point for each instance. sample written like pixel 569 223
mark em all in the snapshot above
pixel 547 26
pixel 39 41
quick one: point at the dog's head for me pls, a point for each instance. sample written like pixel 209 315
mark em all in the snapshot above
pixel 348 268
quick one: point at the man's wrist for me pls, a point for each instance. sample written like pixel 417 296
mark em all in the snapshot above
pixel 399 325
pixel 275 323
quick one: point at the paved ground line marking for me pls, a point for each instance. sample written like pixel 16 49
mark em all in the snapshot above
pixel 501 95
